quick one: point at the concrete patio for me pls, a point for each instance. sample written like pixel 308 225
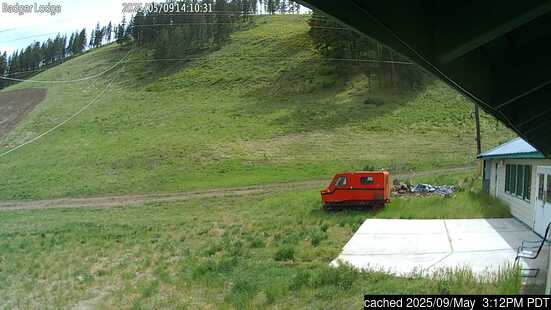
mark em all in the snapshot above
pixel 404 246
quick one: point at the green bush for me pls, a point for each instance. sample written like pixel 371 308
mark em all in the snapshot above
pixel 257 243
pixel 275 292
pixel 342 277
pixel 284 254
pixel 299 280
pixel 316 236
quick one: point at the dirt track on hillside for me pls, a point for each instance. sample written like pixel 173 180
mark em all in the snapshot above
pixel 16 104
pixel 133 200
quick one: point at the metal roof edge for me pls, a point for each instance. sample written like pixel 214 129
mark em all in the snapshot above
pixel 529 155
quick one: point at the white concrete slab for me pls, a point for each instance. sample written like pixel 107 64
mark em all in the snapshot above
pixel 479 262
pixel 489 241
pixel 483 225
pixel 397 264
pixel 405 227
pixel 397 244
pixel 407 246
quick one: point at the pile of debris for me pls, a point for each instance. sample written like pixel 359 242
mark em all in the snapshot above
pixel 400 189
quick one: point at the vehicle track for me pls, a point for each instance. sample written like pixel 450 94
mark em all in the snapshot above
pixel 140 199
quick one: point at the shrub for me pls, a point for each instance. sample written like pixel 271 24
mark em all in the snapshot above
pixel 316 236
pixel 285 253
pixel 257 243
pixel 243 290
pixel 275 291
pixel 300 279
pixel 342 277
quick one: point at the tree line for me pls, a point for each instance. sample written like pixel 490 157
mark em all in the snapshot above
pixel 40 55
pixel 168 33
pixel 386 67
pixel 175 35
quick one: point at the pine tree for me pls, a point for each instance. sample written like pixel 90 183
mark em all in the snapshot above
pixel 3 69
pixel 98 36
pixel 109 30
pixel 120 34
pixel 71 46
pixel 3 64
pixel 92 39
pixel 81 42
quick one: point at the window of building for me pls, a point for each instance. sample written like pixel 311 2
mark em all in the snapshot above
pixel 548 195
pixel 341 181
pixel 513 179
pixel 518 180
pixel 527 182
pixel 541 187
pixel 366 180
pixel 507 177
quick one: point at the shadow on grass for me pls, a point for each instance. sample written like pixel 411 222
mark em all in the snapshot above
pixel 315 94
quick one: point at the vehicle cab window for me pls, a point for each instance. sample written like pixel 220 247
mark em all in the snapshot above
pixel 341 181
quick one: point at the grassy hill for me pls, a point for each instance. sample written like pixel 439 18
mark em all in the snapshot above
pixel 264 108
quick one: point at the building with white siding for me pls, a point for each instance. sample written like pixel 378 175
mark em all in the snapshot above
pixel 520 176
pixel 517 174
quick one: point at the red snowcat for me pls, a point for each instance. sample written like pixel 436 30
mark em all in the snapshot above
pixel 361 188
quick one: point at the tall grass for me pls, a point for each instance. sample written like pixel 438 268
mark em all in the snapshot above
pixel 248 252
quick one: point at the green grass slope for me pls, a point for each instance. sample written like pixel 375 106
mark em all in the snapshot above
pixel 271 252
pixel 263 108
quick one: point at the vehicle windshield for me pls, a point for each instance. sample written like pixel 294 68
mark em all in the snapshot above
pixel 340 181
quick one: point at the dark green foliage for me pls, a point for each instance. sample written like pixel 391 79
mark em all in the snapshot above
pixel 386 67
pixel 35 56
pixel 342 277
pixel 178 35
pixel 285 253
pixel 317 235
pixel 3 67
pixel 121 32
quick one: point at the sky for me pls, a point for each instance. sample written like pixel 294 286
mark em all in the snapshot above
pixel 18 31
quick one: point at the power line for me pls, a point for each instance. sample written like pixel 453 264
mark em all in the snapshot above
pixel 7 30
pixel 70 81
pixel 30 37
pixel 94 100
pixel 273 57
pixel 231 56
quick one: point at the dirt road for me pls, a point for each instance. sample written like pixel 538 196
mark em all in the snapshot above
pixel 132 200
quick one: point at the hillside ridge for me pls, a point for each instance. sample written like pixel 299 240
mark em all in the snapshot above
pixel 264 108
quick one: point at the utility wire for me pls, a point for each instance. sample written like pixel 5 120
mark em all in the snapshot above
pixel 77 113
pixel 30 37
pixel 230 56
pixel 70 81
pixel 272 57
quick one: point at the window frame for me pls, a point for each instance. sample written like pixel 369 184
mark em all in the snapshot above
pixel 518 181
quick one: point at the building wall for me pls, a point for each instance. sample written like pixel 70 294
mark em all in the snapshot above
pixel 521 209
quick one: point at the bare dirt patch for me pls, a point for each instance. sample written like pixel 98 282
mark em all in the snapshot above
pixel 16 104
